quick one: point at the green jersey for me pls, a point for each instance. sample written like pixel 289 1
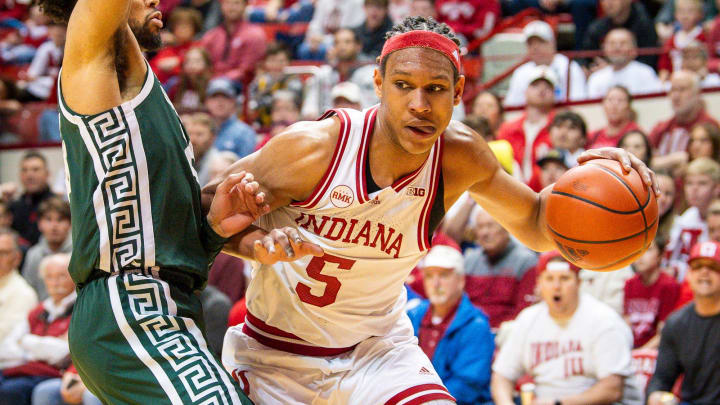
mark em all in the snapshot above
pixel 134 195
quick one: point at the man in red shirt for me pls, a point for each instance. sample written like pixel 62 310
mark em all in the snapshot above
pixel 235 46
pixel 471 18
pixel 670 138
pixel 650 297
pixel 529 135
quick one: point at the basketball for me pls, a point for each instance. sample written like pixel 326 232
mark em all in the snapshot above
pixel 600 217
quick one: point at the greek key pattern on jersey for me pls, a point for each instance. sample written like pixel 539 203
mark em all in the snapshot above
pixel 169 335
pixel 119 186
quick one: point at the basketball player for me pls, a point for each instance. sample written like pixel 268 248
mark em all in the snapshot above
pixel 355 198
pixel 141 243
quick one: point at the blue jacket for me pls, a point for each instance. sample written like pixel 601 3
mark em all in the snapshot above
pixel 464 355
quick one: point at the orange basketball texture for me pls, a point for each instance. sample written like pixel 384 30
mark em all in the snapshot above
pixel 601 218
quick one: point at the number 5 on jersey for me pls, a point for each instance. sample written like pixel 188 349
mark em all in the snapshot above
pixel 332 286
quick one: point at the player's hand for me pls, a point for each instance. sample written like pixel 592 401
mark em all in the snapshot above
pixel 627 160
pixel 284 245
pixel 237 204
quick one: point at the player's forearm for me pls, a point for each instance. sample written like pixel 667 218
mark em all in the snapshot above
pixel 243 244
pixel 502 390
pixel 606 391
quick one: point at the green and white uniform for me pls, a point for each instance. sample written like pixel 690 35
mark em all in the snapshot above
pixel 141 246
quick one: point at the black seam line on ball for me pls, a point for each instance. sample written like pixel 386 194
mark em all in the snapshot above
pixel 600 242
pixel 642 212
pixel 601 206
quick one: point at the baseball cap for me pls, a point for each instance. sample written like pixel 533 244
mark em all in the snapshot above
pixel 553 155
pixel 539 29
pixel 705 250
pixel 545 264
pixel 542 72
pixel 445 257
pixel 221 86
pixel 347 90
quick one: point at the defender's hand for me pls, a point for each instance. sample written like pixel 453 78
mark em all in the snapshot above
pixel 628 161
pixel 237 204
pixel 284 245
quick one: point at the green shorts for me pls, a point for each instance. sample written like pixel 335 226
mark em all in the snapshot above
pixel 138 340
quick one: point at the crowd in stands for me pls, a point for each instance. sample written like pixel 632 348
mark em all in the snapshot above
pixel 492 315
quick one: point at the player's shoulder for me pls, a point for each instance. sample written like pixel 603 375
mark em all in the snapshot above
pixel 462 142
pixel 306 139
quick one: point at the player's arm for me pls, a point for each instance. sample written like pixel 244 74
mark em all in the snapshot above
pixel 502 389
pixel 287 168
pixel 91 28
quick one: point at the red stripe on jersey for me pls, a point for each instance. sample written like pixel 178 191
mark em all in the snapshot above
pixel 424 225
pixel 295 348
pixel 405 180
pixel 254 321
pixel 360 180
pixel 324 183
pixel 417 389
pixel 422 399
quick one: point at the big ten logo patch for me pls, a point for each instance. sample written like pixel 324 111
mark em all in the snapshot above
pixel 415 191
pixel 341 196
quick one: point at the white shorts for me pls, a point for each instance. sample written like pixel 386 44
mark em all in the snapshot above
pixel 390 370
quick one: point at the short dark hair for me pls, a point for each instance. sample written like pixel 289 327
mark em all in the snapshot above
pixel 480 125
pixel 59 11
pixel 575 120
pixel 277 47
pixel 54 204
pixel 33 154
pixel 185 14
pixel 421 24
pixel 380 3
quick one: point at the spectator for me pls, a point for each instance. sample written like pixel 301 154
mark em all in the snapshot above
pixel 346 95
pixel 18 298
pixel 650 296
pixel 270 78
pixel 13 49
pixel 372 31
pixel 620 118
pixel 665 202
pixel 665 24
pixel 37 349
pixel 54 224
pixel 275 11
pixel 228 275
pixel 529 135
pixel 606 287
pixel 713 221
pixel 38 82
pixel 542 50
pixel 232 134
pixel 216 307
pixel 695 59
pixel 453 333
pixel 399 10
pixel 488 105
pixel 496 270
pixel 328 18
pixel 620 49
pixel 704 142
pixel 578 351
pixel 34 179
pixel 423 8
pixel 285 112
pixel 688 15
pixel 470 18
pixel 66 390
pixel 5 215
pixel 568 133
pixel 235 46
pixel 220 162
pixel 201 129
pixel 9 105
pixel 688 343
pixel 552 165
pixel 637 143
pixel 627 14
pixel 702 185
pixel 184 24
pixel 346 64
pixel 187 91
pixel 670 138
pixel 210 11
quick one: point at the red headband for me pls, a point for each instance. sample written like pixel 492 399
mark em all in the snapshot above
pixel 423 39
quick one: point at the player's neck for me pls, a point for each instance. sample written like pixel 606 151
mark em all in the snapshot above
pixel 388 160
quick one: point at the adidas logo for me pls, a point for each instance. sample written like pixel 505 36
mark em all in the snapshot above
pixel 425 371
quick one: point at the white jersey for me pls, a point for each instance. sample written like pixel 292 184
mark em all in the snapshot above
pixel 372 240
pixel 568 360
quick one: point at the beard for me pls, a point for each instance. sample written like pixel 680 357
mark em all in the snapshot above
pixel 147 39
